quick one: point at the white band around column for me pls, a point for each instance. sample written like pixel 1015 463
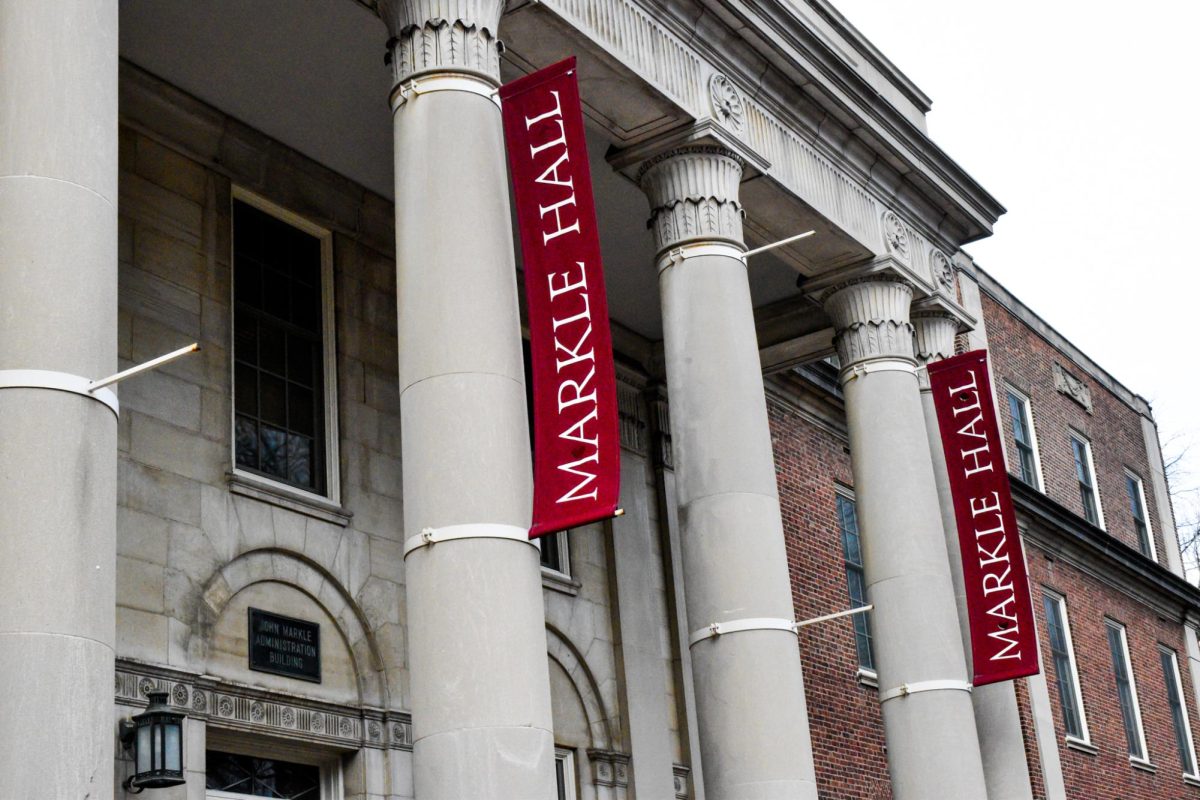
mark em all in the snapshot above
pixel 60 381
pixel 879 365
pixel 677 255
pixel 738 625
pixel 482 530
pixel 905 689
pixel 443 82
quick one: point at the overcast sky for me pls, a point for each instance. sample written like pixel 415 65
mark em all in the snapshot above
pixel 1081 119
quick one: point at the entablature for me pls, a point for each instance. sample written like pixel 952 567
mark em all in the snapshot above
pixel 839 155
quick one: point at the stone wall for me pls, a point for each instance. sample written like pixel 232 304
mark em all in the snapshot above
pixel 197 545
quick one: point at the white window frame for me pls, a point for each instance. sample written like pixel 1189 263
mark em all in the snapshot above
pixel 331 769
pixel 1061 601
pixel 333 487
pixel 1187 723
pixel 1027 407
pixel 1141 487
pixel 564 555
pixel 1091 465
pixel 1144 758
pixel 567 757
pixel 864 675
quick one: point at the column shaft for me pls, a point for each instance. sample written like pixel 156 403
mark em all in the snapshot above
pixel 930 733
pixel 477 643
pixel 754 735
pixel 58 453
pixel 997 717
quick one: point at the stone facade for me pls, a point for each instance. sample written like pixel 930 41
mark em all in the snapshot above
pixel 730 477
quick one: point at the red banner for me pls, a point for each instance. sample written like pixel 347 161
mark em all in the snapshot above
pixel 576 475
pixel 1003 641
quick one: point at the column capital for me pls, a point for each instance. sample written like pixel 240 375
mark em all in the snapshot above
pixel 693 194
pixel 870 317
pixel 443 36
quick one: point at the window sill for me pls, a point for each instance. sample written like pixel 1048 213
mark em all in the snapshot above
pixel 1191 780
pixel 867 677
pixel 276 494
pixel 557 581
pixel 1081 745
pixel 1142 764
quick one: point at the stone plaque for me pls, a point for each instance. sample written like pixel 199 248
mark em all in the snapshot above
pixel 285 646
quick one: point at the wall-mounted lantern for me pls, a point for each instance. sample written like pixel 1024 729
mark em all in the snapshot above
pixel 155 737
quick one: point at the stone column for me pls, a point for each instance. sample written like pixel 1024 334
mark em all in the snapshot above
pixel 58 447
pixel 997 718
pixel 754 736
pixel 480 693
pixel 927 716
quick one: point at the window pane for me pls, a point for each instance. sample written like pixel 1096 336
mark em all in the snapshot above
pixel 1171 676
pixel 1134 489
pixel 272 399
pixel 855 579
pixel 261 777
pixel 550 551
pixel 1064 675
pixel 299 460
pixel 246 442
pixel 1116 647
pixel 277 349
pixel 271 348
pixel 273 451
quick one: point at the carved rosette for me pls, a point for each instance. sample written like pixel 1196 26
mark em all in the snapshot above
pixel 693 194
pixel 943 270
pixel 443 36
pixel 726 102
pixel 895 235
pixel 871 319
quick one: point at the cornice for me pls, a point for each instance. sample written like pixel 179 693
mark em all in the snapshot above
pixel 789 44
pixel 1067 536
pixel 795 54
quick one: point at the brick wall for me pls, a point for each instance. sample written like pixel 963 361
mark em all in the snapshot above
pixel 1108 774
pixel 1025 361
pixel 847 730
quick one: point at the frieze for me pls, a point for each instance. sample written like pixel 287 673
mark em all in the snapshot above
pixel 812 167
pixel 726 103
pixel 1072 387
pixel 258 710
pixel 895 235
pixel 943 270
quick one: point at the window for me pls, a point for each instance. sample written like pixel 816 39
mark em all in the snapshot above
pixel 1183 730
pixel 1028 468
pixel 555 553
pixel 1131 714
pixel 1084 473
pixel 232 776
pixel 564 773
pixel 1065 676
pixel 855 579
pixel 1137 509
pixel 283 350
